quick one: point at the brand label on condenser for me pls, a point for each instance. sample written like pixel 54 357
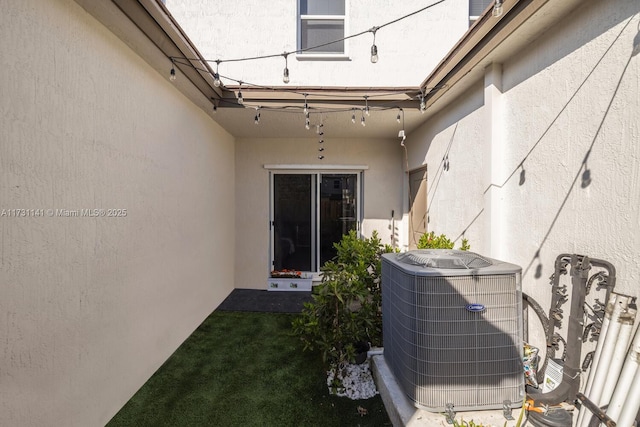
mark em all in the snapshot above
pixel 475 308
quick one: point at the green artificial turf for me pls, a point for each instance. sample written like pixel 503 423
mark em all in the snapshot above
pixel 244 369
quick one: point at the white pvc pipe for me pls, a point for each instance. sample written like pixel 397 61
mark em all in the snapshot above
pixel 603 333
pixel 619 353
pixel 631 404
pixel 606 356
pixel 631 366
pixel 596 356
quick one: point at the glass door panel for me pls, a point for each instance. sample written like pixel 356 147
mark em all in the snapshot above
pixel 338 211
pixel 293 222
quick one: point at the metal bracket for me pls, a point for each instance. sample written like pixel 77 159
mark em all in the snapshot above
pixel 506 410
pixel 450 413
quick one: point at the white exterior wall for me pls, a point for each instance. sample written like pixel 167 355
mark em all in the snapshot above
pixel 382 181
pixel 568 103
pixel 91 307
pixel 408 50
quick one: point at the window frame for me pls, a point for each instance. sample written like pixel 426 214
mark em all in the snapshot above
pixel 322 55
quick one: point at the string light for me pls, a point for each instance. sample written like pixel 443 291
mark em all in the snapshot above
pixel 285 74
pixel 398 116
pixel 307 123
pixel 172 73
pixel 306 107
pixel 497 8
pixel 256 120
pixel 216 75
pixel 366 105
pixel 240 98
pixel 374 48
pixel 362 122
pixel 353 117
pixel 423 105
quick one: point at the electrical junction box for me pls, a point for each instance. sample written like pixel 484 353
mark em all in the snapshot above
pixel 553 375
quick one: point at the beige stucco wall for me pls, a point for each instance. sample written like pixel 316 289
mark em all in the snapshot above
pixel 382 191
pixel 90 307
pixel 568 104
pixel 419 41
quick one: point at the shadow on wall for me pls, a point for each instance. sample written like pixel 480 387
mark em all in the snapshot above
pixel 584 36
pixel 584 173
pixel 443 120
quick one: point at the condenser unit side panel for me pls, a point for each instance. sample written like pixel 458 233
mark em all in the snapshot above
pixel 399 322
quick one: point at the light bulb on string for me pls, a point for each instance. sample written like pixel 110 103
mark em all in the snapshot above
pixel 306 107
pixel 172 73
pixel 216 75
pixel 353 117
pixel 398 116
pixel 321 149
pixel 320 157
pixel 362 122
pixel 423 105
pixel 366 105
pixel 285 73
pixel 240 98
pixel 497 9
pixel 374 48
pixel 307 123
pixel 256 120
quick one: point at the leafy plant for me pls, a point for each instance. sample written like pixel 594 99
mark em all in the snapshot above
pixel 431 241
pixel 346 306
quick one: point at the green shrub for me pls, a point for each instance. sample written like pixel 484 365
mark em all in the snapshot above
pixel 346 306
pixel 431 241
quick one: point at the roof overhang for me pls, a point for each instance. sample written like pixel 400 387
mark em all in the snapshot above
pixel 489 40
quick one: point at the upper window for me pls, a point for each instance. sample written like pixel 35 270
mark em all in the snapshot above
pixel 320 23
pixel 476 7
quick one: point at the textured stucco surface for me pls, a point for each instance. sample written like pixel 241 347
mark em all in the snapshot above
pixel 90 307
pixel 561 138
pixel 219 29
pixel 382 178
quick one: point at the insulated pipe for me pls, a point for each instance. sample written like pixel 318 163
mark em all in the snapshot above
pixel 619 353
pixel 596 357
pixel 629 370
pixel 606 356
pixel 631 404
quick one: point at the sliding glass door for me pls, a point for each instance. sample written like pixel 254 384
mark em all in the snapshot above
pixel 309 213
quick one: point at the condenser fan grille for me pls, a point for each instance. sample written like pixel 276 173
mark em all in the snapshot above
pixel 453 259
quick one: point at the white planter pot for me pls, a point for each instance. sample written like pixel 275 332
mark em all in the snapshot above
pixel 289 284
